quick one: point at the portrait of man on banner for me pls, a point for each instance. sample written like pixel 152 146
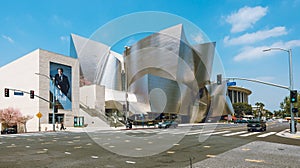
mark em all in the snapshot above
pixel 62 84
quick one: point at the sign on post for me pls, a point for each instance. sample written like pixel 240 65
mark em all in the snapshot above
pixel 39 115
pixel 231 83
pixel 17 93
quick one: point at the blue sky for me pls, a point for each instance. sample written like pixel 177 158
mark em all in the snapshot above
pixel 241 29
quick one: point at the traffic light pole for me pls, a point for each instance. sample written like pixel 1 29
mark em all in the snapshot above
pixel 293 131
pixel 289 51
pixel 53 98
pixel 53 104
pixel 290 88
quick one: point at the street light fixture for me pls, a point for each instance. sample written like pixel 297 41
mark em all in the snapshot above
pixel 125 82
pixel 289 51
pixel 53 98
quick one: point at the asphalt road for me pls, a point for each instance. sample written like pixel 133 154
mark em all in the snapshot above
pixel 200 146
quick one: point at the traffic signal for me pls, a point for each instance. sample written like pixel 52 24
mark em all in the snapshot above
pixel 293 96
pixel 219 79
pixel 6 92
pixel 31 94
pixel 295 110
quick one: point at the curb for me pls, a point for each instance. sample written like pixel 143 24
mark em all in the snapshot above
pixel 286 134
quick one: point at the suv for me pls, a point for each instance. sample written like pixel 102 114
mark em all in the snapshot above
pixel 256 125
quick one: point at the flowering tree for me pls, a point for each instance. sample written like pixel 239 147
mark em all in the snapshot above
pixel 11 117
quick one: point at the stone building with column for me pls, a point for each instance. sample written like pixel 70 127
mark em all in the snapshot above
pixel 238 94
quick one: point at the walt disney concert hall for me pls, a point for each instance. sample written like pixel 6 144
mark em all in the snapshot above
pixel 159 77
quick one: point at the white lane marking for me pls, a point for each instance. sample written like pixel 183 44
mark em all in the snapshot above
pixel 180 132
pixel 249 134
pixel 266 134
pixel 235 133
pixel 200 132
pixel 216 133
pixel 130 162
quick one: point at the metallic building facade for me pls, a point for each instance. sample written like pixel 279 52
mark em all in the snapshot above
pixel 164 72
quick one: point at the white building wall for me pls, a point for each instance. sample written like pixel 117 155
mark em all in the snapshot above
pixel 93 96
pixel 19 74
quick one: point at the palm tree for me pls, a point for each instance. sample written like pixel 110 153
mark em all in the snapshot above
pixel 260 108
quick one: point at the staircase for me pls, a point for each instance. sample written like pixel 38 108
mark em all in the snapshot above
pixel 94 113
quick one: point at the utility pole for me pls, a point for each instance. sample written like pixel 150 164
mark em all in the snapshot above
pixel 289 51
pixel 125 82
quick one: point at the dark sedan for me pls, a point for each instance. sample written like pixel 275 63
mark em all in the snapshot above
pixel 10 130
pixel 167 124
pixel 256 125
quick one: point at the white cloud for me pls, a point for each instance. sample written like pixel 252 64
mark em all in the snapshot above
pixel 198 38
pixel 9 39
pixel 245 18
pixel 64 38
pixel 249 38
pixel 254 53
pixel 60 21
pixel 131 41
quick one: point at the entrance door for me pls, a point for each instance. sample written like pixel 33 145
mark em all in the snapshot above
pixel 78 121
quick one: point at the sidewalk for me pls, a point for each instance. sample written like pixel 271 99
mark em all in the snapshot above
pixel 286 134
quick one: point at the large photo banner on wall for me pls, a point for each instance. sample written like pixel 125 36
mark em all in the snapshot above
pixel 61 88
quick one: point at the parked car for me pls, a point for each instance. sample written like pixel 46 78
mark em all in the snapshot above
pixel 256 125
pixel 240 121
pixel 10 130
pixel 167 124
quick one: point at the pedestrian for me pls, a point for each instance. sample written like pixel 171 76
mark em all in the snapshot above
pixel 62 127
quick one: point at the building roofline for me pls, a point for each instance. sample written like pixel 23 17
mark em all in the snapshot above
pixel 241 89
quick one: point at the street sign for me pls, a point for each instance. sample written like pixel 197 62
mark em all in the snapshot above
pixel 231 83
pixel 39 115
pixel 16 93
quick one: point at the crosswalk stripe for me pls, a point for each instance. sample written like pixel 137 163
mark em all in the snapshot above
pixel 216 133
pixel 267 134
pixel 235 133
pixel 249 134
pixel 199 132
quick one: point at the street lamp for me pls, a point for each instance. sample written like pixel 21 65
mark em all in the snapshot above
pixel 289 51
pixel 53 98
pixel 125 82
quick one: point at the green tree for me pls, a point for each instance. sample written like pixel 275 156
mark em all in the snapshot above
pixel 286 104
pixel 259 112
pixel 268 114
pixel 241 109
pixel 279 114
